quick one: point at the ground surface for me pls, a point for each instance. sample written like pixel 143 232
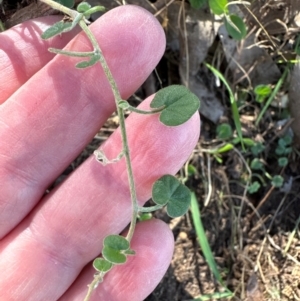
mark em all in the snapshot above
pixel 254 237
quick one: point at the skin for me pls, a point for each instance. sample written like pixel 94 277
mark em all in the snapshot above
pixel 49 112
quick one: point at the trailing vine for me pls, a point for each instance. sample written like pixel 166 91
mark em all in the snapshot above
pixel 174 104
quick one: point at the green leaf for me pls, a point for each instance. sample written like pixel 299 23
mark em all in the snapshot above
pixel 83 7
pixel 67 3
pixel 248 142
pixel 168 190
pixel 254 187
pixel 262 92
pixel 283 161
pixel 218 7
pixel 285 141
pixel 224 131
pixel 56 29
pixel 179 102
pixel 102 265
pixel 280 150
pixel 256 164
pixel 113 256
pixel 197 3
pixel 85 64
pixel 129 252
pixel 218 158
pixel 115 248
pixel 192 170
pixel 203 241
pixel 235 26
pixel 257 148
pixel 116 242
pixel 277 181
pixel 245 141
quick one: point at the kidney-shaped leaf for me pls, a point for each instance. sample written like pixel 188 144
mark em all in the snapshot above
pixel 102 265
pixel 83 7
pixel 116 242
pixel 179 104
pixel 114 256
pixel 179 208
pixel 168 190
pixel 115 248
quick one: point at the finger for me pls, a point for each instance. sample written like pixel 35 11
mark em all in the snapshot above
pixel 153 243
pixel 47 122
pixel 23 52
pixel 67 229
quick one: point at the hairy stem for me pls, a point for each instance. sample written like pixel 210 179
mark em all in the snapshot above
pixel 150 209
pixel 120 112
pixel 97 279
pixel 135 208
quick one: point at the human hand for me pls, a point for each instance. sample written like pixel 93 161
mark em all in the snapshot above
pixel 49 113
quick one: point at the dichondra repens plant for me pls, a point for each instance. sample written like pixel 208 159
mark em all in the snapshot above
pixel 175 105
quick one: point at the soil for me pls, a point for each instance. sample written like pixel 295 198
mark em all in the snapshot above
pixel 254 237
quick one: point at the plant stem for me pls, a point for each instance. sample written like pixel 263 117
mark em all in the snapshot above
pixel 97 51
pixel 154 111
pixel 120 112
pixel 92 286
pixel 150 209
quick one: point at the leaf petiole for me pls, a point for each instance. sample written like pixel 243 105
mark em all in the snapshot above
pixel 150 209
pixel 154 111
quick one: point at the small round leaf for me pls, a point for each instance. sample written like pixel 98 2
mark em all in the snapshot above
pixel 256 164
pixel 113 256
pixel 254 187
pixel 83 7
pixel 102 265
pixel 257 148
pixel 235 26
pixel 277 181
pixel 224 131
pixel 283 161
pixel 168 190
pixel 116 242
pixel 179 208
pixel 179 102
pixel 115 247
